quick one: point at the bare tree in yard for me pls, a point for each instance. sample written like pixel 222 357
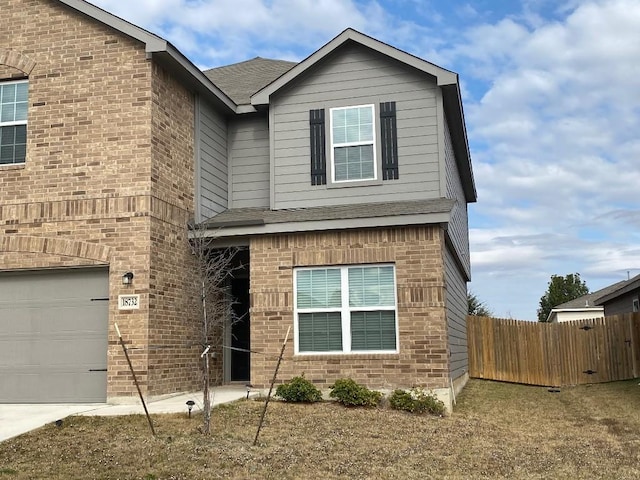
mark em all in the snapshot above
pixel 212 301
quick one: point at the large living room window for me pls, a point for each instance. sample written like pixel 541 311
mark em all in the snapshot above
pixel 353 143
pixel 13 121
pixel 346 309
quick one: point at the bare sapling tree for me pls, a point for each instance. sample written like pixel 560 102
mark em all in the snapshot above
pixel 213 303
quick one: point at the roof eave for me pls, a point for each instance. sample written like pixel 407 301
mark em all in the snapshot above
pixel 626 288
pixel 149 39
pixel 554 311
pixel 193 75
pixel 155 45
pixel 258 228
pixel 452 103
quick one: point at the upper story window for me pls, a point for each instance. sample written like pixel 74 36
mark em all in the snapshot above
pixel 13 121
pixel 355 154
pixel 345 309
pixel 353 143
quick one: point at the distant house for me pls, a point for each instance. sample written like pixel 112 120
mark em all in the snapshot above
pixel 592 305
pixel 623 299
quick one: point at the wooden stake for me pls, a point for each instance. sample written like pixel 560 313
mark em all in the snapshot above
pixel 273 381
pixel 135 380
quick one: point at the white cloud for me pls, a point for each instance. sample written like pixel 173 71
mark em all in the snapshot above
pixel 239 28
pixel 556 151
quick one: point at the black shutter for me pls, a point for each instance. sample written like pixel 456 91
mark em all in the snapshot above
pixel 318 154
pixel 389 141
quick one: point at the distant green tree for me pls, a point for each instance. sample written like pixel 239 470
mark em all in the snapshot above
pixel 477 307
pixel 560 290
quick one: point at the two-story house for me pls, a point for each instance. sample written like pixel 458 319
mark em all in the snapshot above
pixel 345 177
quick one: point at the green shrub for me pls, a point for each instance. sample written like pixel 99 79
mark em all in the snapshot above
pixel 299 389
pixel 352 394
pixel 416 400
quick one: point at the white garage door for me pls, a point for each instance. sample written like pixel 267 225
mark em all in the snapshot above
pixel 53 336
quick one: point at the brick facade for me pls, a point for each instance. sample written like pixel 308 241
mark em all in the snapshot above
pixel 416 252
pixel 108 179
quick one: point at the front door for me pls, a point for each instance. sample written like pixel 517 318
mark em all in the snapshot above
pixel 240 337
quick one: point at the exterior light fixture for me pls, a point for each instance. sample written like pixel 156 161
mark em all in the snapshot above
pixel 127 278
pixel 190 404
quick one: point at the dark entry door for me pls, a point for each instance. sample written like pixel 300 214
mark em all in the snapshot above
pixel 240 335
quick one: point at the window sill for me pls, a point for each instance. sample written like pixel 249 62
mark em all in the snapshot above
pixel 354 183
pixel 12 166
pixel 310 357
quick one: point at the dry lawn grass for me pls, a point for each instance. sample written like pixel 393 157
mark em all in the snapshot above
pixel 498 431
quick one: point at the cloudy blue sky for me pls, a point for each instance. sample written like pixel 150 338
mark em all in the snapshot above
pixel 551 92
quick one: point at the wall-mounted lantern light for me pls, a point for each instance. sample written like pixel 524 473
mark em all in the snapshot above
pixel 127 278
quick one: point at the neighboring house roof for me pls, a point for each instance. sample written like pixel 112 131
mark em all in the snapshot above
pixel 252 217
pixel 623 288
pixel 162 50
pixel 241 80
pixel 589 302
pixel 446 79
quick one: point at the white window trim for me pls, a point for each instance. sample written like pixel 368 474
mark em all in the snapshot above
pixel 345 311
pixel 371 142
pixel 14 123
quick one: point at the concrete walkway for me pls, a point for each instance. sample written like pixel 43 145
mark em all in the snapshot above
pixel 18 419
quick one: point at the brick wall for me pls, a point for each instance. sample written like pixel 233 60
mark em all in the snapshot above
pixel 417 255
pixel 109 166
pixel 173 329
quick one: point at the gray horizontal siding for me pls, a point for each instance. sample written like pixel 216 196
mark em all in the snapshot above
pixel 249 160
pixel 459 226
pixel 212 138
pixel 356 76
pixel 622 304
pixel 456 304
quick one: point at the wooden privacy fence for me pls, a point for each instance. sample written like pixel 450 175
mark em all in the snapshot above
pixel 555 354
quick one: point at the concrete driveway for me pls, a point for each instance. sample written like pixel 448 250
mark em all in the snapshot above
pixel 18 419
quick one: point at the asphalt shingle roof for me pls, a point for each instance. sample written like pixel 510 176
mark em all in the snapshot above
pixel 622 289
pixel 241 80
pixel 259 216
pixel 590 299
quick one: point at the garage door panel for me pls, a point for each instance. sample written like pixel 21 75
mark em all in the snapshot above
pixel 56 387
pixel 43 319
pixel 53 337
pixel 25 352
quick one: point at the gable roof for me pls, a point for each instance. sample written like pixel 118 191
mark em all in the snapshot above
pixel 589 300
pixel 443 76
pixel 241 80
pixel 623 288
pixel 445 79
pixel 168 55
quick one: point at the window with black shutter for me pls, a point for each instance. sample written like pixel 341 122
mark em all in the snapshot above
pixel 389 141
pixel 318 149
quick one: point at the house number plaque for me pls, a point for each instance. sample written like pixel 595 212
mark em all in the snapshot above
pixel 128 302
